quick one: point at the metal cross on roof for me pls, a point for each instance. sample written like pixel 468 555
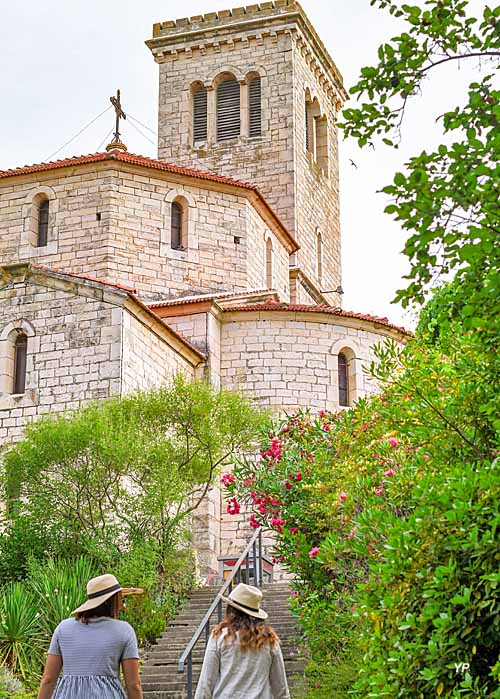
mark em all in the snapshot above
pixel 120 114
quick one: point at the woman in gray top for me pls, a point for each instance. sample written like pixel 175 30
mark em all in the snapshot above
pixel 91 648
pixel 243 659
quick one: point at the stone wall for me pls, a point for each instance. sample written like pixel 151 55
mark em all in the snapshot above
pixel 113 222
pixel 289 359
pixel 147 361
pixel 73 351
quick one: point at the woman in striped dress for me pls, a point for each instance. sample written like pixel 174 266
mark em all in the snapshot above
pixel 91 646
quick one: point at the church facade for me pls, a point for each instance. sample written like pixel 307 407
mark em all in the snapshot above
pixel 220 259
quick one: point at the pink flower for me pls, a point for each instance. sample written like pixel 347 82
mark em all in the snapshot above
pixel 353 608
pixel 294 530
pixel 426 457
pixel 364 426
pixel 227 479
pixel 288 485
pixel 393 442
pixel 296 553
pixel 262 509
pixel 353 532
pixel 298 477
pixel 379 491
pixel 343 496
pixel 389 472
pixel 313 552
pixel 233 507
pixel 326 427
pixel 253 522
pixel 295 594
pixel 278 522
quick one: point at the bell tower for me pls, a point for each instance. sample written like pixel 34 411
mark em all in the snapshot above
pixel 252 93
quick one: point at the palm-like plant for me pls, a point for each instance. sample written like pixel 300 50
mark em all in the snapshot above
pixel 21 637
pixel 60 585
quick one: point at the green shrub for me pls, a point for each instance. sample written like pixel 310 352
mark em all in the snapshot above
pixel 432 602
pixel 22 642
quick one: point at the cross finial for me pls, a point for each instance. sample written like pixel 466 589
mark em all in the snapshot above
pixel 120 114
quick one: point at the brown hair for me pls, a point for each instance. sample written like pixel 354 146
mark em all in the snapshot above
pixel 107 608
pixel 253 633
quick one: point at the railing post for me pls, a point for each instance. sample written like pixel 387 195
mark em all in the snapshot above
pixel 254 565
pixel 261 560
pixel 247 572
pixel 207 632
pixel 190 676
pixel 219 611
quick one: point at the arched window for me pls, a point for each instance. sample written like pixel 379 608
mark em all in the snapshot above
pixel 228 109
pixel 343 370
pixel 269 263
pixel 20 355
pixel 321 138
pixel 200 120
pixel 43 223
pixel 254 107
pixel 177 226
pixel 319 257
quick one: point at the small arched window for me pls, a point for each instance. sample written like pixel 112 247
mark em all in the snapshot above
pixel 269 263
pixel 43 224
pixel 228 109
pixel 254 107
pixel 20 356
pixel 343 370
pixel 177 226
pixel 200 119
pixel 319 257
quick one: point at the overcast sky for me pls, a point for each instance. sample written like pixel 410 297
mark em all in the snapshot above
pixel 60 62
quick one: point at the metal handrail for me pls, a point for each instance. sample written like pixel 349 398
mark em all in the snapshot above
pixel 253 551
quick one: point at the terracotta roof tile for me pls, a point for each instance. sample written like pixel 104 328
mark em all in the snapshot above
pixel 201 298
pixel 150 163
pixel 302 308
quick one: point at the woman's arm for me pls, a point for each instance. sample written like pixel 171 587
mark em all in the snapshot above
pixel 130 669
pixel 51 673
pixel 210 671
pixel 277 676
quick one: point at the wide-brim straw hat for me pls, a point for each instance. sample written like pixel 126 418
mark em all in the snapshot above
pixel 247 599
pixel 102 588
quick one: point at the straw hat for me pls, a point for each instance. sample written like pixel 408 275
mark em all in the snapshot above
pixel 247 599
pixel 102 588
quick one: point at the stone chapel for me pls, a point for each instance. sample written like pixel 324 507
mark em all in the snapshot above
pixel 220 259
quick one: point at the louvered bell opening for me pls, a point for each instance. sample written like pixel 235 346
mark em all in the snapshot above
pixel 200 115
pixel 228 110
pixel 254 96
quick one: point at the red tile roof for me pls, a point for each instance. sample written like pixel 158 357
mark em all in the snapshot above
pixel 302 308
pixel 201 298
pixel 142 161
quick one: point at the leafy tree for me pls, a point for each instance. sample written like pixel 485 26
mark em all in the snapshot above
pixel 449 198
pixel 128 469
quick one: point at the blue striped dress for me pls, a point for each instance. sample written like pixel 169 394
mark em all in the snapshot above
pixel 91 655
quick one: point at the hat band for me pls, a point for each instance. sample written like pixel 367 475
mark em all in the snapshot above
pixel 240 604
pixel 114 588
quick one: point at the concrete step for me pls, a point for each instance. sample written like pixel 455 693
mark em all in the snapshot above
pixel 160 677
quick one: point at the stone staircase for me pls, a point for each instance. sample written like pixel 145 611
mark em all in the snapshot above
pixel 160 677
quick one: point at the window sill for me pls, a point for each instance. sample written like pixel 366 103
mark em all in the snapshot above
pixel 11 401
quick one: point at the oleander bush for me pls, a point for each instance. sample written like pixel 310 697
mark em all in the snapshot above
pixel 388 516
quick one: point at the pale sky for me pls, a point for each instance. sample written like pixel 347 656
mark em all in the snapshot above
pixel 60 62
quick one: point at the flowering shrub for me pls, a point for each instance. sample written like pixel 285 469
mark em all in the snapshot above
pixel 367 506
